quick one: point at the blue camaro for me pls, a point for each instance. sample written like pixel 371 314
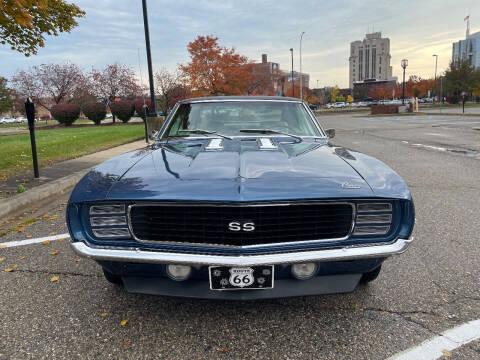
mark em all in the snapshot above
pixel 241 198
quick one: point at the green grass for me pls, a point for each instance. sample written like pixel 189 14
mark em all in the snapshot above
pixel 57 145
pixel 41 123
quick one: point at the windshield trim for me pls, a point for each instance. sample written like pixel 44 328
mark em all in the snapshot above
pixel 160 135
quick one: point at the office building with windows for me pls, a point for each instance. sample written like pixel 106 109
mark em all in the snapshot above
pixel 370 59
pixel 468 49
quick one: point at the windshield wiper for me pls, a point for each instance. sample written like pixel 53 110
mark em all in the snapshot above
pixel 270 131
pixel 204 132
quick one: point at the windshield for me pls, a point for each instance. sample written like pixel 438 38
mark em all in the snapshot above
pixel 229 118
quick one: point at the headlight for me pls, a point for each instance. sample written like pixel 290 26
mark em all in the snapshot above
pixel 373 219
pixel 112 223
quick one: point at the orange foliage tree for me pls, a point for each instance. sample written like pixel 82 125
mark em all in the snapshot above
pixel 216 70
pixel 381 92
pixel 415 85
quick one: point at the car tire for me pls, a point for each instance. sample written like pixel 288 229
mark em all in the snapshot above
pixel 370 276
pixel 112 278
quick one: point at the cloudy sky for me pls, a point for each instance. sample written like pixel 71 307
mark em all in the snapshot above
pixel 113 31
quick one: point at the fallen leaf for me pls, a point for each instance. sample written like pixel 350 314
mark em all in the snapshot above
pixel 53 233
pixel 127 342
pixel 8 270
pixel 104 314
pixel 78 260
pixel 22 257
pixel 54 278
pixel 20 218
pixel 123 322
pixel 446 352
pixel 3 246
pixel 20 229
pixel 28 236
pixel 60 240
pixel 223 351
pixel 444 299
pixel 46 242
pixel 2 259
pixel 54 252
pixel 45 217
pixel 468 273
pixel 15 266
pixel 53 217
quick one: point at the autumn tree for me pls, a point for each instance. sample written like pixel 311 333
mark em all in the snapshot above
pixel 49 84
pixel 6 100
pixel 24 23
pixel 166 85
pixel 113 81
pixel 216 70
pixel 335 93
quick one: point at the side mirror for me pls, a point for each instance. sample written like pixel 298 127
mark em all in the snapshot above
pixel 330 133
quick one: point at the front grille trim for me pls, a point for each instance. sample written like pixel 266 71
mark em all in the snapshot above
pixel 270 245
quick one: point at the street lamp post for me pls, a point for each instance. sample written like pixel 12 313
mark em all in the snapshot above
pixel 293 82
pixel 404 64
pixel 301 86
pixel 153 111
pixel 435 78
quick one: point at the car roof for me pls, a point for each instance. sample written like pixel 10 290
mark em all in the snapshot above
pixel 239 98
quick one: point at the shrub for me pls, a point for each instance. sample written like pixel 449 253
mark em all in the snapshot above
pixel 65 113
pixel 95 111
pixel 139 107
pixel 123 109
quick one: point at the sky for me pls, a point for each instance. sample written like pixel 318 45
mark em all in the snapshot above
pixel 112 31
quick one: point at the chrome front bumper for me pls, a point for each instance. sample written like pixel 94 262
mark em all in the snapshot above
pixel 143 256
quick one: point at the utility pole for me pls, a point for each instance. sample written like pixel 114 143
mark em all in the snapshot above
pixel 153 111
pixel 293 81
pixel 435 81
pixel 301 75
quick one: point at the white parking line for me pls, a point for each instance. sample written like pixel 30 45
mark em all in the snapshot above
pixel 449 340
pixel 34 241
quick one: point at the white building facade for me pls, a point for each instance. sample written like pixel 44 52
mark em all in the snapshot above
pixel 370 59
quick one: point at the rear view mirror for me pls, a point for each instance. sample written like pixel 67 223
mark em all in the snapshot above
pixel 330 133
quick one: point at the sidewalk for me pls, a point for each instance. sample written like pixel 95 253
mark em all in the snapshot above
pixel 54 179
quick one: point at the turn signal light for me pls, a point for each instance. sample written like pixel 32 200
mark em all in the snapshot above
pixel 178 272
pixel 304 271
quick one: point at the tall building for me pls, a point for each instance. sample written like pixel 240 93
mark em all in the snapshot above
pixel 468 49
pixel 370 59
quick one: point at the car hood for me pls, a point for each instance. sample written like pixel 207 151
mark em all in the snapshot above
pixel 240 171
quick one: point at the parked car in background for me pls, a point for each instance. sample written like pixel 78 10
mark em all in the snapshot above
pixel 7 120
pixel 241 198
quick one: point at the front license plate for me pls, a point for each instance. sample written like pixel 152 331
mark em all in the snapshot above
pixel 237 278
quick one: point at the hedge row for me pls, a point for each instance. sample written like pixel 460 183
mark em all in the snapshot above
pixel 124 109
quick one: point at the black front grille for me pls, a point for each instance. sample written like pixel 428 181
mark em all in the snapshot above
pixel 209 224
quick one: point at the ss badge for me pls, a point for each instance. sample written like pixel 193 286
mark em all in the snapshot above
pixel 241 226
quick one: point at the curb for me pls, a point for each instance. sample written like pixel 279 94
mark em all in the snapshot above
pixel 39 193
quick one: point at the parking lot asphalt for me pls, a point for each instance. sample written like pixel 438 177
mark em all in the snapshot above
pixel 432 287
